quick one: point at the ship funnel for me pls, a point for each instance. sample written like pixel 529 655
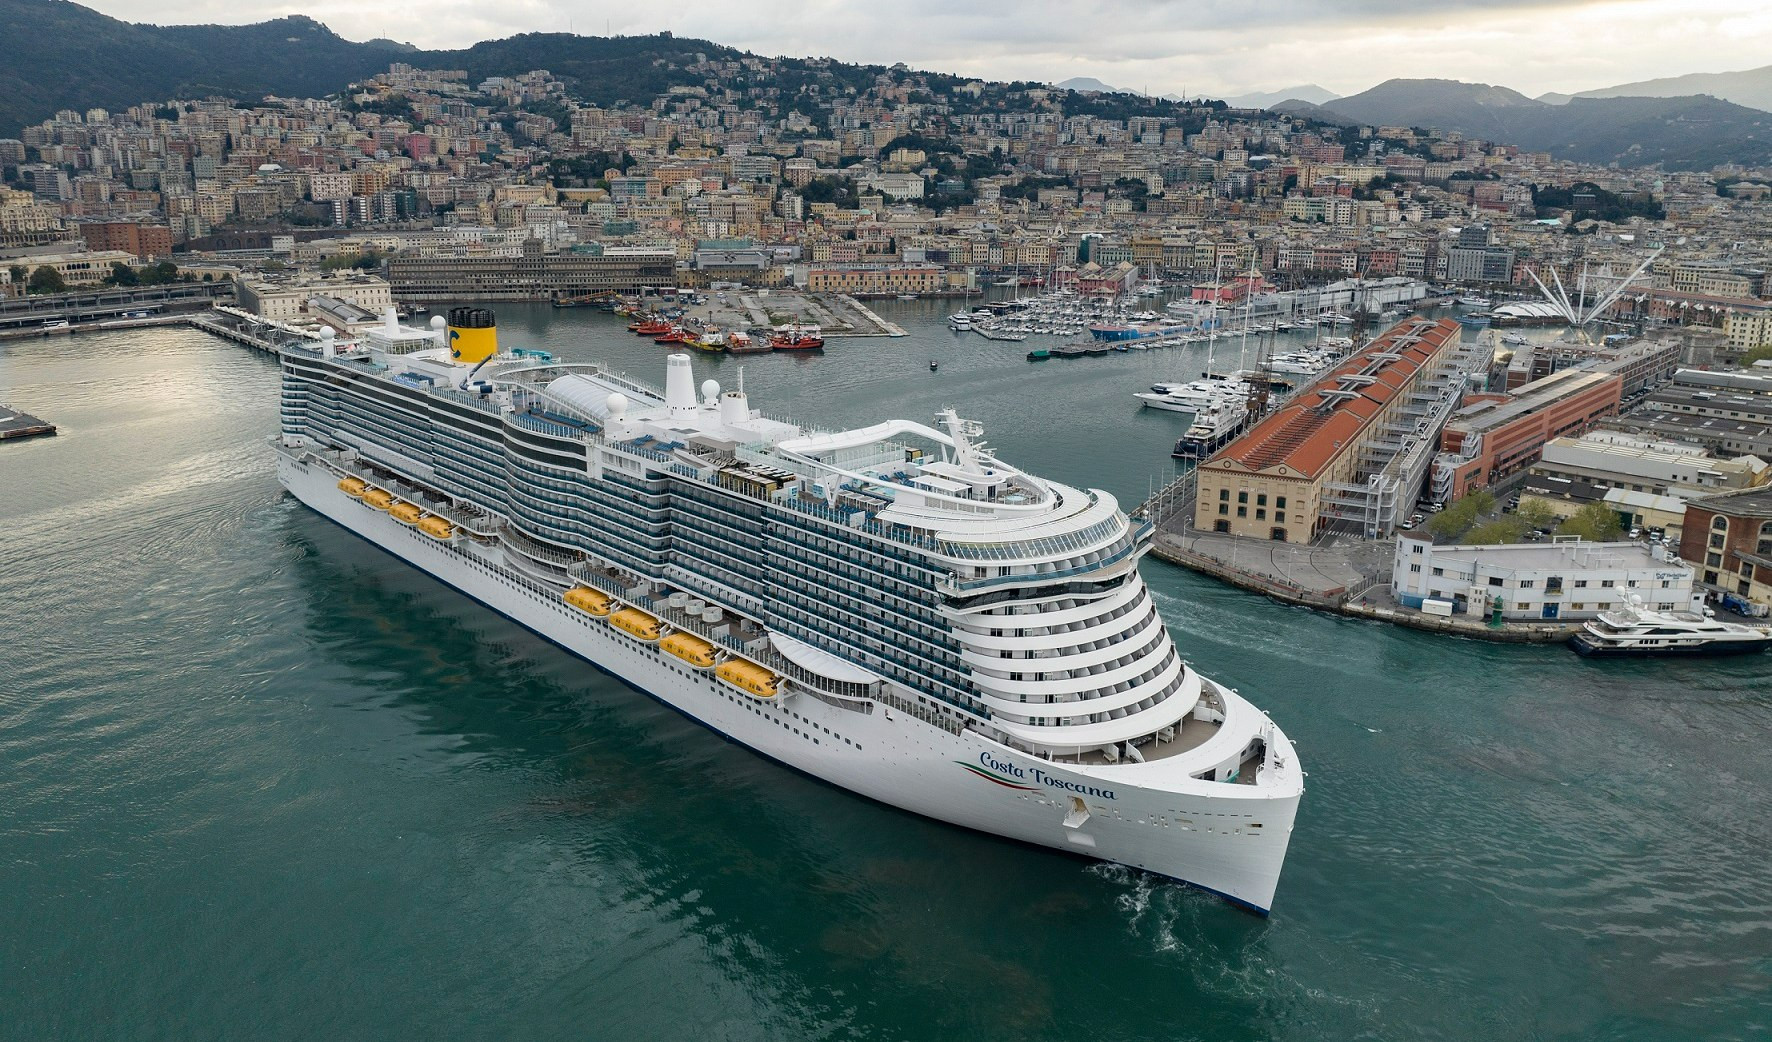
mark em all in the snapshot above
pixel 679 385
pixel 473 335
pixel 734 408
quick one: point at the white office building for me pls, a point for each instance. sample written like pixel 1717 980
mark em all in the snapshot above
pixel 1564 580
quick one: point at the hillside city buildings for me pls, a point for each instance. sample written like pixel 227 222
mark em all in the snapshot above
pixel 890 182
pixel 424 186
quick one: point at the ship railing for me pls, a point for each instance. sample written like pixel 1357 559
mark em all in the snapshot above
pixel 541 426
pixel 954 586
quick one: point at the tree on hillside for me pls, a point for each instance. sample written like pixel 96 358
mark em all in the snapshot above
pixel 46 280
pixel 1595 522
pixel 1756 354
pixel 122 275
pixel 19 274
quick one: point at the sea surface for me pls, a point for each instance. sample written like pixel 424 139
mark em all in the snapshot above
pixel 259 780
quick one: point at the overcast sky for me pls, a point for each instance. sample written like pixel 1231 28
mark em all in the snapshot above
pixel 1216 47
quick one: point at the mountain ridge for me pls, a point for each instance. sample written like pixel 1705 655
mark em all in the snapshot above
pixel 1695 132
pixel 1748 87
pixel 80 59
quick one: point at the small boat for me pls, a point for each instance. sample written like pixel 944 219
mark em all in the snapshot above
pixel 406 513
pixel 1039 354
pixel 636 624
pixel 933 365
pixel 690 648
pixel 589 601
pixel 436 528
pixel 750 678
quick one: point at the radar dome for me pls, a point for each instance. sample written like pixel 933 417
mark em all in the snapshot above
pixel 710 389
pixel 438 321
pixel 615 405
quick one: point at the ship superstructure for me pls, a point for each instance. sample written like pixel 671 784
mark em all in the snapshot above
pixel 893 608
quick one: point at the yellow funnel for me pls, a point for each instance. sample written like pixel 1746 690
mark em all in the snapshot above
pixel 473 335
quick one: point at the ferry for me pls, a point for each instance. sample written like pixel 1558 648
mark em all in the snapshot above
pixel 893 609
pixel 1634 630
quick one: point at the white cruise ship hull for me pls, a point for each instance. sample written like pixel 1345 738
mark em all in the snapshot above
pixel 1223 837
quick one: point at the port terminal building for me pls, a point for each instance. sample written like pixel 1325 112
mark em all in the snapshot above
pixel 1351 452
pixel 1567 579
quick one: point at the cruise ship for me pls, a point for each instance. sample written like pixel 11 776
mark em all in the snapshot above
pixel 892 609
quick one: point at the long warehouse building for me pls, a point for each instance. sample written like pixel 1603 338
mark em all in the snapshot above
pixel 1352 451
pixel 533 276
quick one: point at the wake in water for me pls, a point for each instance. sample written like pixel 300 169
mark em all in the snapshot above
pixel 1154 909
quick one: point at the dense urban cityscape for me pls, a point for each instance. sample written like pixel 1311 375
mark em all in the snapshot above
pixel 419 187
pixel 345 547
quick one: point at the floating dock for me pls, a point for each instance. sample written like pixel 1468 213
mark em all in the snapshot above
pixel 15 424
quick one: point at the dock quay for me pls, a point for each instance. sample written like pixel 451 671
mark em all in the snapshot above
pixel 1340 574
pixel 882 327
pixel 222 320
pixel 17 425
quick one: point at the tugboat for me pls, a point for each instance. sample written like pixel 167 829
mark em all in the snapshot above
pixel 796 339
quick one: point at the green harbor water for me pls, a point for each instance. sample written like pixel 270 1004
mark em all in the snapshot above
pixel 259 780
